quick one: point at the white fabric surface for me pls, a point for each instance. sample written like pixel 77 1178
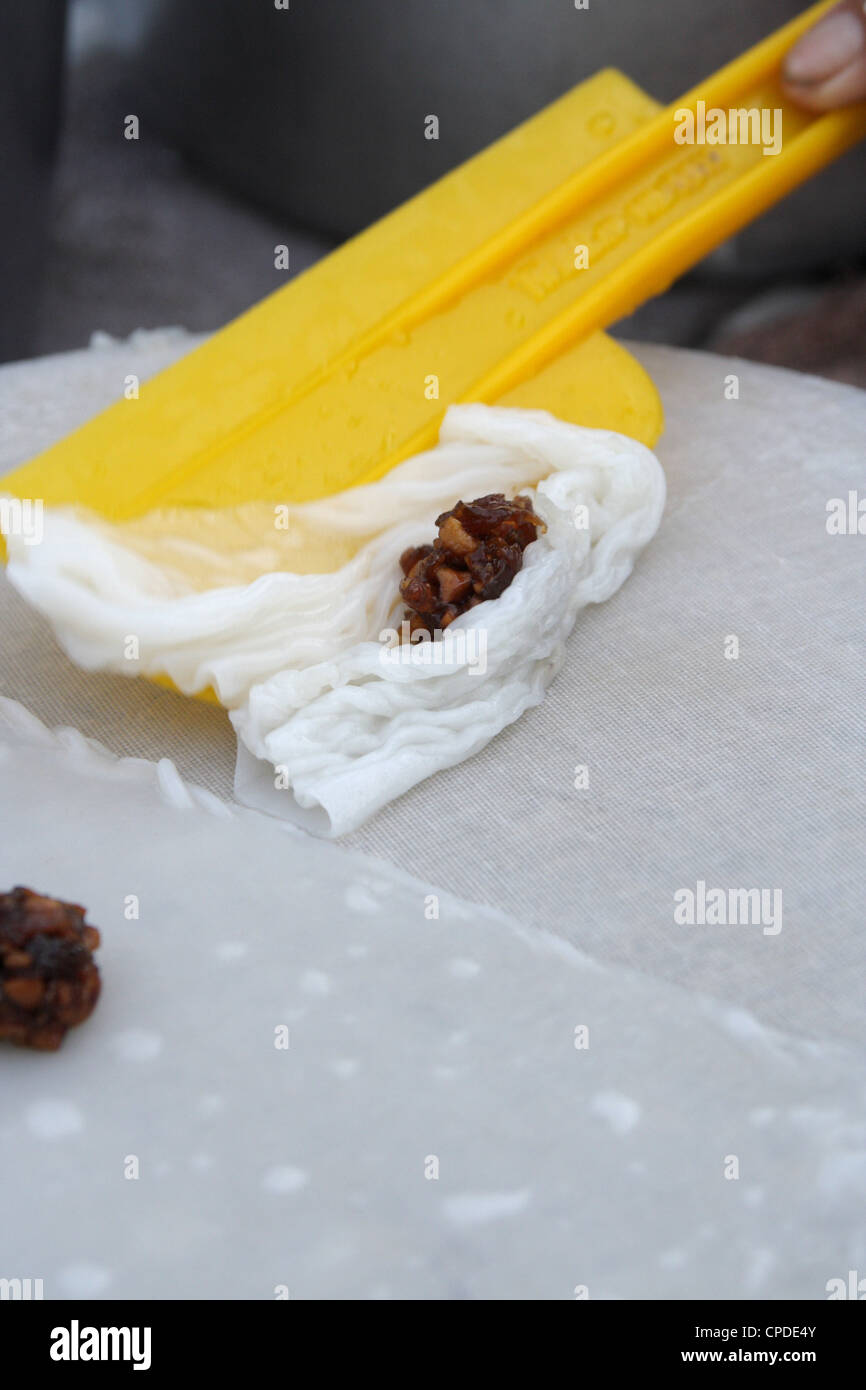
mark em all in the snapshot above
pixel 582 1120
pixel 740 773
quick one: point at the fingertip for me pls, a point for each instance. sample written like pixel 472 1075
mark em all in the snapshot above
pixel 844 88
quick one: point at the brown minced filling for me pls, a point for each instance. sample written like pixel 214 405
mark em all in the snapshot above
pixel 475 556
pixel 49 981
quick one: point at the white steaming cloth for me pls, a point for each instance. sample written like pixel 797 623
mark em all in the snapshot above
pixel 333 719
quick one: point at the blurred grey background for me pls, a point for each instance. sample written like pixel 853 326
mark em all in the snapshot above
pixel 262 125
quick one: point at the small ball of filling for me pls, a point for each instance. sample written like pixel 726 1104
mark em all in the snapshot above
pixel 477 553
pixel 49 981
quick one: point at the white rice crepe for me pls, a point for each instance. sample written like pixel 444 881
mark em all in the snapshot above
pixel 334 718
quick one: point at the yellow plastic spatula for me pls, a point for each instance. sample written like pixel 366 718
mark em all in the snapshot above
pixel 492 285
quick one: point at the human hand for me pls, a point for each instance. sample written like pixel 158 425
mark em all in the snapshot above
pixel 827 67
